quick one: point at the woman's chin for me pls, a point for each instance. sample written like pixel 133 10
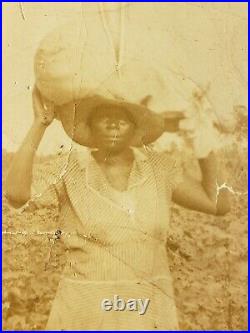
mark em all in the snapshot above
pixel 112 146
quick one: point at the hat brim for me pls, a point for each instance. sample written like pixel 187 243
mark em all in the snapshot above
pixel 74 117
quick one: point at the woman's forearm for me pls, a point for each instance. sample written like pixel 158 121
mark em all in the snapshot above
pixel 19 178
pixel 209 170
pixel 212 180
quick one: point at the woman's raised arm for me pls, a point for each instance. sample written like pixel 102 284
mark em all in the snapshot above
pixel 19 177
pixel 208 196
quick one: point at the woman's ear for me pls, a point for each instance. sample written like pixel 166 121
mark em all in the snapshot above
pixel 137 139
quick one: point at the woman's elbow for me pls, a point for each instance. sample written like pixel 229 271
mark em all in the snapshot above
pixel 223 205
pixel 224 209
pixel 16 194
pixel 17 201
pixel 218 210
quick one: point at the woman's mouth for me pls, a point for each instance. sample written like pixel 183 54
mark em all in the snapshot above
pixel 112 138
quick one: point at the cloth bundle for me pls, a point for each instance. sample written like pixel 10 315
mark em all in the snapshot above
pixel 86 58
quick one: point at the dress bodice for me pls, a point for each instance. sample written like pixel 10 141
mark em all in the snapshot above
pixel 117 235
pixel 115 243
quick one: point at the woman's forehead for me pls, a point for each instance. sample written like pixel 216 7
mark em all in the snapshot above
pixel 110 111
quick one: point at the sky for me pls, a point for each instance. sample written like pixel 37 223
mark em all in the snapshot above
pixel 208 42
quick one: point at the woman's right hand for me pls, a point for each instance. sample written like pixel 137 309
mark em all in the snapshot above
pixel 44 110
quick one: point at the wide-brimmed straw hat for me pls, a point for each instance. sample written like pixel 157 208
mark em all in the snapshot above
pixel 74 116
pixel 75 68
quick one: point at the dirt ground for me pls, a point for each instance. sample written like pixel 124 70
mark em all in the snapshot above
pixel 208 259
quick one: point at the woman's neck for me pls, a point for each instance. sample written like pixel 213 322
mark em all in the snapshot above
pixel 114 158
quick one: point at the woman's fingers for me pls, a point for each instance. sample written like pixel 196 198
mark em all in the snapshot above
pixel 43 108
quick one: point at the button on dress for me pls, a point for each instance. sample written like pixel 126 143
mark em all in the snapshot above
pixel 116 244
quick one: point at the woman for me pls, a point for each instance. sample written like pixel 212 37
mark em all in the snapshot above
pixel 114 214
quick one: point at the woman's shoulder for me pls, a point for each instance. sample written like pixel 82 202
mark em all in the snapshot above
pixel 77 160
pixel 170 158
pixel 169 165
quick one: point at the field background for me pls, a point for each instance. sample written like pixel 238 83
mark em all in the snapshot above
pixel 208 256
pixel 205 42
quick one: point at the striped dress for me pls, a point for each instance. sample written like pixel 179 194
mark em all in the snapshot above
pixel 115 243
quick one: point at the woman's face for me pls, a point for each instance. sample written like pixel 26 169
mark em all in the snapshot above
pixel 111 129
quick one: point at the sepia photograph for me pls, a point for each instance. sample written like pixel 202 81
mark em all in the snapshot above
pixel 125 166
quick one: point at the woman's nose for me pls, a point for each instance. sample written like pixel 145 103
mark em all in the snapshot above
pixel 113 124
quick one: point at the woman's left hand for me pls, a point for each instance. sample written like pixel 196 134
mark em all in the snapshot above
pixel 198 128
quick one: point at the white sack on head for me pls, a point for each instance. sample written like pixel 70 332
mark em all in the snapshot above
pixel 85 58
pixel 80 59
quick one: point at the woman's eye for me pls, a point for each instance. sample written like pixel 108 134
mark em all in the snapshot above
pixel 123 123
pixel 104 120
pixel 108 121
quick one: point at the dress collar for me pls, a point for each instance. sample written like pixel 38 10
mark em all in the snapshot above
pixel 84 156
pixel 97 180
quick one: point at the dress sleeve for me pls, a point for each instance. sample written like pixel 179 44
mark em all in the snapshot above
pixel 49 197
pixel 47 186
pixel 173 168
